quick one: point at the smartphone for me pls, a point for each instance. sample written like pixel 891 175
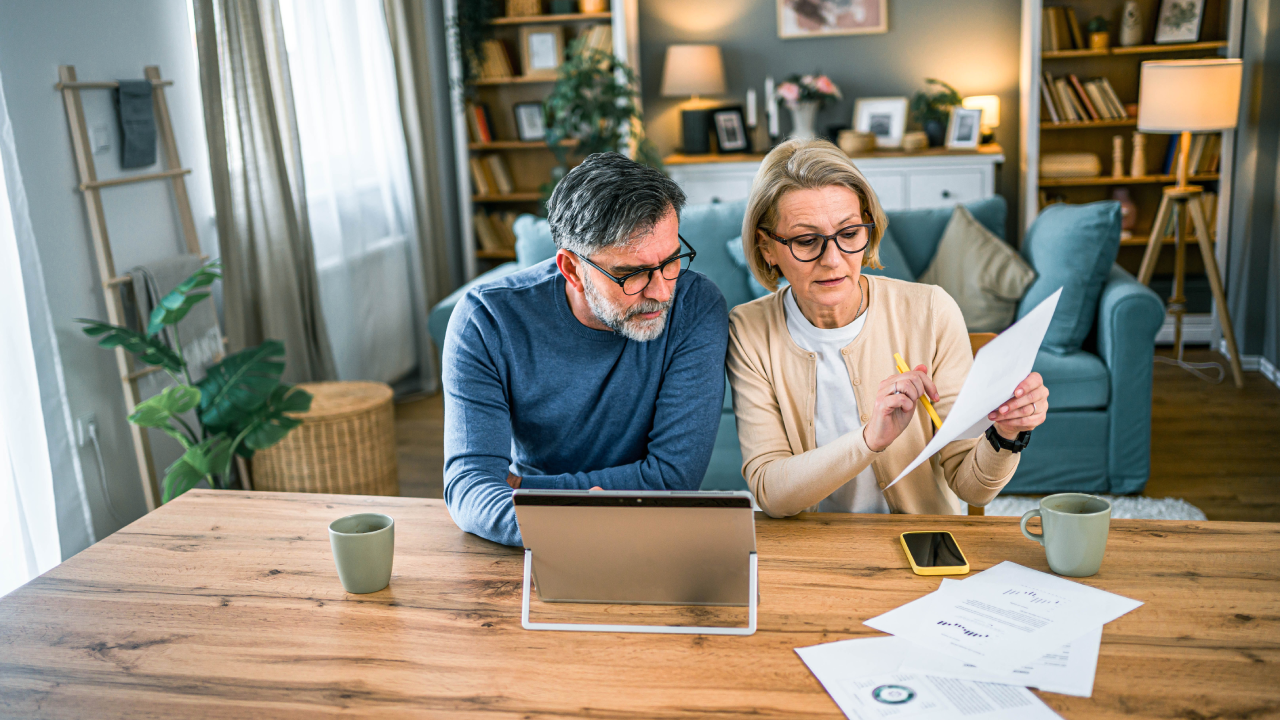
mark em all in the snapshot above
pixel 934 553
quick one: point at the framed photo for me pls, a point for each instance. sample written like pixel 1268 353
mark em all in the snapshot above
pixel 730 129
pixel 963 130
pixel 1179 21
pixel 885 117
pixel 531 121
pixel 541 51
pixel 821 18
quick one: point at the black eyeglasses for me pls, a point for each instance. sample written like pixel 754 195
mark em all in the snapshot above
pixel 811 246
pixel 634 283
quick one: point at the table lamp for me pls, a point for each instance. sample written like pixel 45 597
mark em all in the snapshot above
pixel 694 70
pixel 1181 97
pixel 990 107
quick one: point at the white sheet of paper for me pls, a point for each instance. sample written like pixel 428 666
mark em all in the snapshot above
pixel 997 369
pixel 1012 616
pixel 1069 670
pixel 863 679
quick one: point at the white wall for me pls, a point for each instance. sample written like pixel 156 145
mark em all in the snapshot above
pixel 105 41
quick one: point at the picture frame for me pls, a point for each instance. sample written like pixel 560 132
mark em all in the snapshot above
pixel 798 19
pixel 884 117
pixel 1179 21
pixel 541 51
pixel 731 133
pixel 531 121
pixel 964 128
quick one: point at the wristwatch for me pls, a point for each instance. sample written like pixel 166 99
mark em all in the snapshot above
pixel 1015 445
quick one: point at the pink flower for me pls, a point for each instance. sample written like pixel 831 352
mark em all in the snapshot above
pixel 790 92
pixel 824 85
pixel 806 80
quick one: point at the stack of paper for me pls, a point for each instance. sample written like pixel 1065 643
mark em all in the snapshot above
pixel 973 648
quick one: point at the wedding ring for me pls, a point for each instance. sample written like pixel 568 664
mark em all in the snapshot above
pixel 895 388
pixel 1033 408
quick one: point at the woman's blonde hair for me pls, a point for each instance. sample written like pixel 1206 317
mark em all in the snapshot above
pixel 803 165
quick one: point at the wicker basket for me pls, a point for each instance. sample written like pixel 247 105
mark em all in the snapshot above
pixel 346 444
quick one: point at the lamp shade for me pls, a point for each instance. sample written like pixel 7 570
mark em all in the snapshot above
pixel 990 107
pixel 1189 95
pixel 693 70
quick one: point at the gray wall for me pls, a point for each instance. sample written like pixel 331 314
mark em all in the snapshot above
pixel 1253 263
pixel 105 41
pixel 972 45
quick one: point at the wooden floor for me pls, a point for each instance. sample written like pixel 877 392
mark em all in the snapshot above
pixel 1212 445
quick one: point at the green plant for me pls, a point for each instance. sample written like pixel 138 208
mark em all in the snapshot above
pixel 473 23
pixel 240 406
pixel 594 104
pixel 1098 24
pixel 936 106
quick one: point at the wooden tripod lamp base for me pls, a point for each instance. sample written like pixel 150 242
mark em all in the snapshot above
pixel 1179 97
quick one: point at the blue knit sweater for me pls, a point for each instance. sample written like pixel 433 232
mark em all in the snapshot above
pixel 530 389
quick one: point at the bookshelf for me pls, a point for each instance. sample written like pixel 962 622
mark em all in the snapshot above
pixel 1219 36
pixel 498 150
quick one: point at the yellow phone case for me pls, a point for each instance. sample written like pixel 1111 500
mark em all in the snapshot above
pixel 944 570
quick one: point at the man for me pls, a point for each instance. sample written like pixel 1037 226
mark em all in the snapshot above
pixel 600 368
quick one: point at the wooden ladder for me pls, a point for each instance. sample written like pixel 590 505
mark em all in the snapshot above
pixel 91 187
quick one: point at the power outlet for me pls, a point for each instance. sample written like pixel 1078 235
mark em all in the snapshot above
pixel 86 426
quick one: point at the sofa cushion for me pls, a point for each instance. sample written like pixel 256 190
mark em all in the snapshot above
pixel 734 247
pixel 980 272
pixel 1071 247
pixel 1076 381
pixel 917 232
pixel 895 265
pixel 533 241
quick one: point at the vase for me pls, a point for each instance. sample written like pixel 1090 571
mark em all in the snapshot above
pixel 1130 25
pixel 936 131
pixel 803 116
pixel 1128 211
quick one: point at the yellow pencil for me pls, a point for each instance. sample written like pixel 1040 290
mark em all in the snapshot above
pixel 928 406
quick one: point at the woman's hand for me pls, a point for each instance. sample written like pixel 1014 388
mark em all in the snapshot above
pixel 1025 410
pixel 895 406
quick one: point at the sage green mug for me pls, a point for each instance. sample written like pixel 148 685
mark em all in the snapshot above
pixel 1074 532
pixel 363 546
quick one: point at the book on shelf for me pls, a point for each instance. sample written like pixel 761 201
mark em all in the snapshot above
pixel 1077 37
pixel 497 63
pixel 497 168
pixel 1104 86
pixel 1048 102
pixel 598 37
pixel 503 223
pixel 1066 99
pixel 1069 99
pixel 1203 158
pixel 486 234
pixel 479 124
pixel 1085 102
pixel 480 179
pixel 1055 29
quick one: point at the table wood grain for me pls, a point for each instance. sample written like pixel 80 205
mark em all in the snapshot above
pixel 227 605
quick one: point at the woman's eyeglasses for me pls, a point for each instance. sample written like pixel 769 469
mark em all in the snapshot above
pixel 811 246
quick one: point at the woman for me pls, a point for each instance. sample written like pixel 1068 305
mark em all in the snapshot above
pixel 825 419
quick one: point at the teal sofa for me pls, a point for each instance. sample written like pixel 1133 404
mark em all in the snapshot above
pixel 1097 437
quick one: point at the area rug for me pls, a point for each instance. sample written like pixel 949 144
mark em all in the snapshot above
pixel 1122 506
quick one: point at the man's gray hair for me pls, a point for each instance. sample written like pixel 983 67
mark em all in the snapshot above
pixel 608 200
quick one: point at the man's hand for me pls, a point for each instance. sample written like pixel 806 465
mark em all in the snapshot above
pixel 1025 410
pixel 514 480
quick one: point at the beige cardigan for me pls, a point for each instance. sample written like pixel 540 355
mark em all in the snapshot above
pixel 774 386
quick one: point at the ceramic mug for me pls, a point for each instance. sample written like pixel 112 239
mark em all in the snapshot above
pixel 363 546
pixel 1074 533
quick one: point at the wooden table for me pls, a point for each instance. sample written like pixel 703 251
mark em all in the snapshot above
pixel 226 604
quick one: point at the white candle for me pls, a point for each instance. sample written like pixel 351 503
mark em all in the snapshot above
pixel 751 107
pixel 771 106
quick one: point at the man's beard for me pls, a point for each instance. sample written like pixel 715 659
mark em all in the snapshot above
pixel 625 322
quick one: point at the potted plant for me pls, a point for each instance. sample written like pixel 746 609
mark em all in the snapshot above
pixel 1099 37
pixel 804 96
pixel 240 405
pixel 594 107
pixel 932 110
pixel 474 25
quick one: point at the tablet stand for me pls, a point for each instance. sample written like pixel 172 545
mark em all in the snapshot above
pixel 753 590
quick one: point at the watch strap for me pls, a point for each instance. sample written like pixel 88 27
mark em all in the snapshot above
pixel 1015 445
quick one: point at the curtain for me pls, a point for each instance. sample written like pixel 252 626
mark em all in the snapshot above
pixel 42 493
pixel 360 199
pixel 417 32
pixel 270 288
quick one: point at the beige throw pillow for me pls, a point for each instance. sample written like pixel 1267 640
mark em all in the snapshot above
pixel 984 275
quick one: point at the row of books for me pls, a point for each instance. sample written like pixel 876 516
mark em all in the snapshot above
pixel 1204 158
pixel 1060 30
pixel 494 231
pixel 496 64
pixel 489 176
pixel 1066 99
pixel 599 37
pixel 479 123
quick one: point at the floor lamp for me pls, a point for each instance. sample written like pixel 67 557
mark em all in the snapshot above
pixel 1181 97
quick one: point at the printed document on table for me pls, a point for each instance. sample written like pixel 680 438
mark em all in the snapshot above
pixel 1010 617
pixel 997 369
pixel 1069 670
pixel 863 678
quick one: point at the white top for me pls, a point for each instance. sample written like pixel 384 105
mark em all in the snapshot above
pixel 835 407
